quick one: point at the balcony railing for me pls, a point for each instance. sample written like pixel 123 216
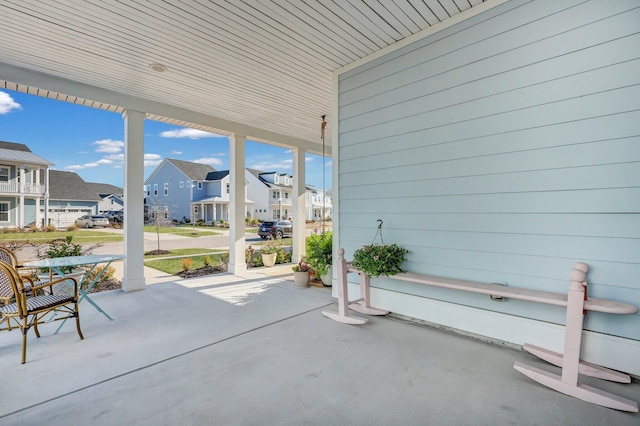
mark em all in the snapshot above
pixel 12 187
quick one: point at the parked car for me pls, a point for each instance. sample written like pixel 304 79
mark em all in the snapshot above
pixel 115 217
pixel 92 221
pixel 275 229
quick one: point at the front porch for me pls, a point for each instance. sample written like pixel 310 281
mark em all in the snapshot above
pixel 252 349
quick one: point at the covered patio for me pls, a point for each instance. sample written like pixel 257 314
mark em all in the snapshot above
pixel 498 140
pixel 252 349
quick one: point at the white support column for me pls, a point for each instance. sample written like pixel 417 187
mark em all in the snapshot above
pixel 237 263
pixel 21 199
pixel 133 200
pixel 36 175
pixel 299 227
pixel 46 197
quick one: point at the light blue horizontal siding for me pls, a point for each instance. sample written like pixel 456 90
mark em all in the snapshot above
pixel 503 149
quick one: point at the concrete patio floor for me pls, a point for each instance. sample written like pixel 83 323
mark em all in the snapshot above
pixel 254 350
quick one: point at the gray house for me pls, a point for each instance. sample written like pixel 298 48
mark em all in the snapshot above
pixel 111 197
pixel 174 184
pixel 69 198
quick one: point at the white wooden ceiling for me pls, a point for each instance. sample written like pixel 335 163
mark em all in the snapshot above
pixel 267 64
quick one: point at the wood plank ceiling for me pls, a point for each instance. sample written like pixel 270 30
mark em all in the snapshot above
pixel 262 63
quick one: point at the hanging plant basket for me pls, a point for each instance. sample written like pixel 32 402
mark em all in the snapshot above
pixel 379 259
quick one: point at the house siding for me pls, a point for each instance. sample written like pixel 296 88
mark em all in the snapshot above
pixel 507 159
pixel 177 202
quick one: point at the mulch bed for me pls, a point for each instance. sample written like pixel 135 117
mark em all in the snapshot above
pixel 200 272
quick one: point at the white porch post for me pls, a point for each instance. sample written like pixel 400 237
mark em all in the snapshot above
pixel 237 263
pixel 36 176
pixel 46 197
pixel 299 227
pixel 134 200
pixel 21 198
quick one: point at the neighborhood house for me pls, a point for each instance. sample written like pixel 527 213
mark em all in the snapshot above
pixel 32 194
pixel 187 191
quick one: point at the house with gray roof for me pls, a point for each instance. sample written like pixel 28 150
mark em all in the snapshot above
pixel 23 186
pixel 190 191
pixel 111 197
pixel 69 198
pixel 273 195
pixel 184 190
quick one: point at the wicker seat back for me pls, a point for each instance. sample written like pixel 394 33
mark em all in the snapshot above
pixel 29 310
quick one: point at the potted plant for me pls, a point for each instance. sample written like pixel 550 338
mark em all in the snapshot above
pixel 269 252
pixel 301 273
pixel 379 259
pixel 61 248
pixel 320 255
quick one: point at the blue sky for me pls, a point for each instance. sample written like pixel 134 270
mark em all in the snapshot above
pixel 89 141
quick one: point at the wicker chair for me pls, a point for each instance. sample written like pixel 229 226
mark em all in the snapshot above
pixel 9 257
pixel 28 310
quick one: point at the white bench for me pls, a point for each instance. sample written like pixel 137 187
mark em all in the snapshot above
pixel 576 302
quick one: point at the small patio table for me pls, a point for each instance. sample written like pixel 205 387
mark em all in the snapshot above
pixel 56 264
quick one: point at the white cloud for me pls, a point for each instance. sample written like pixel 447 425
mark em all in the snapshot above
pixel 269 166
pixel 82 166
pixel 109 146
pixel 152 160
pixel 174 152
pixel 115 157
pixel 188 133
pixel 7 104
pixel 209 160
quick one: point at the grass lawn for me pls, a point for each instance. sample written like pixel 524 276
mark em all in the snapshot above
pixel 78 236
pixel 186 252
pixel 185 231
pixel 175 265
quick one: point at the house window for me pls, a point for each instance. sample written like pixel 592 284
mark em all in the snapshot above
pixel 276 178
pixel 286 180
pixel 4 212
pixel 166 189
pixel 155 189
pixel 4 174
pixel 188 184
pixel 181 184
pixel 199 185
pixel 286 195
pixel 227 188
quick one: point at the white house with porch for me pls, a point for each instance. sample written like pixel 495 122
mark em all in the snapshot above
pixel 273 195
pixel 23 186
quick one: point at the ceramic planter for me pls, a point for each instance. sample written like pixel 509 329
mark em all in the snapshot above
pixel 301 279
pixel 327 278
pixel 269 260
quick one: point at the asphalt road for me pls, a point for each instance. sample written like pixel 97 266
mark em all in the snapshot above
pixel 171 242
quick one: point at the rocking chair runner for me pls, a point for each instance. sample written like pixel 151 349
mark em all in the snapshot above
pixel 30 310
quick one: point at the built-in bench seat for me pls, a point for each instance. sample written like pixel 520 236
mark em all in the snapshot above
pixel 576 302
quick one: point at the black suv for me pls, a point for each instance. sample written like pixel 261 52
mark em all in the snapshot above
pixel 275 229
